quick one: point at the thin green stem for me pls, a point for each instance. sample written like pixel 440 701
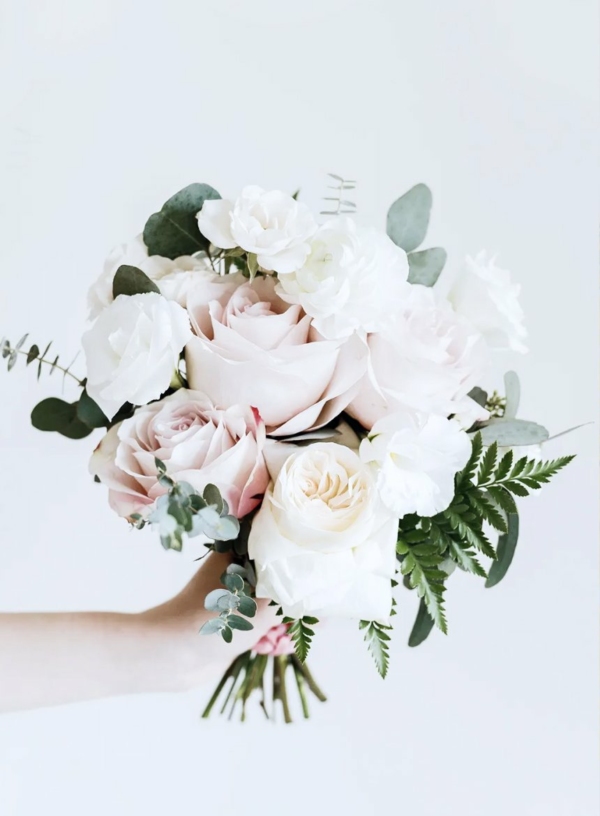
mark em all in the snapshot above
pixel 39 359
pixel 310 681
pixel 281 663
pixel 300 681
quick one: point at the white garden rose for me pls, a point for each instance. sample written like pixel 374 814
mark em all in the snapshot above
pixel 353 280
pixel 252 347
pixel 198 443
pixel 175 278
pixel 322 541
pixel 428 359
pixel 485 295
pixel 132 350
pixel 415 457
pixel 271 225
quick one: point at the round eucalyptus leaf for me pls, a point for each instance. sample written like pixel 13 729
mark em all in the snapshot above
pixel 512 432
pixel 425 266
pixel 236 622
pixel 247 606
pixel 90 413
pixel 212 599
pixel 129 280
pixel 213 626
pixel 53 414
pixel 173 231
pixel 408 217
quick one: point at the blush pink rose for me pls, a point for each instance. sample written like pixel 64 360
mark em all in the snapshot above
pixel 254 347
pixel 276 642
pixel 198 443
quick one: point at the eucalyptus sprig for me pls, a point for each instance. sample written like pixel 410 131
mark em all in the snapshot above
pixel 32 355
pixel 230 602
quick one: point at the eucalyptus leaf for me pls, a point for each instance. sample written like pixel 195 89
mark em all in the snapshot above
pixel 422 626
pixel 509 432
pixel 236 569
pixel 236 622
pixel 247 606
pixel 212 599
pixel 507 544
pixel 212 496
pixel 173 231
pixel 53 414
pixel 212 626
pixel 408 217
pixel 129 280
pixel 233 582
pixel 425 266
pixel 32 354
pixel 479 396
pixel 512 391
pixel 227 634
pixel 90 413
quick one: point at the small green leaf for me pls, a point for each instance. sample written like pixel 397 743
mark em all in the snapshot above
pixel 408 218
pixel 212 626
pixel 21 341
pixel 507 544
pixel 173 231
pixel 90 413
pixel 377 641
pixel 236 622
pixel 54 414
pixel 232 581
pixel 129 280
pixel 426 266
pixel 422 626
pixel 511 432
pixel 12 360
pixel 227 634
pixel 247 606
pixel 32 354
pixel 252 265
pixel 212 496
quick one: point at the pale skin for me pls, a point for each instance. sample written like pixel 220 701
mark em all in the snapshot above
pixel 49 659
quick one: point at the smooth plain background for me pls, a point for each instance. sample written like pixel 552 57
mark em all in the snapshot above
pixel 110 107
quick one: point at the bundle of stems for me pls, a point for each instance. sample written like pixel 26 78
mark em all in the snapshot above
pixel 267 675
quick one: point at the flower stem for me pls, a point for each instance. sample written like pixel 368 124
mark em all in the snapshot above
pixel 281 663
pixel 300 681
pixel 310 681
pixel 219 689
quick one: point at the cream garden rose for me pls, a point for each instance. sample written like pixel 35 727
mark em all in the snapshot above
pixel 322 541
pixel 253 346
pixel 428 359
pixel 484 294
pixel 271 225
pixel 198 443
pixel 415 458
pixel 175 278
pixel 353 280
pixel 132 350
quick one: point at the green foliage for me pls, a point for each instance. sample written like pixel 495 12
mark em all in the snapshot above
pixel 507 544
pixel 173 231
pixel 512 390
pixel 129 280
pixel 53 414
pixel 230 603
pixel 377 640
pixel 426 266
pixel 485 491
pixel 90 413
pixel 408 217
pixel 12 353
pixel 182 512
pixel 422 626
pixel 511 432
pixel 301 634
pixel 336 203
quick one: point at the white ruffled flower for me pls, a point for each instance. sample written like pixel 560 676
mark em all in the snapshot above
pixel 416 457
pixel 353 280
pixel 271 225
pixel 175 278
pixel 322 541
pixel 485 295
pixel 428 359
pixel 132 350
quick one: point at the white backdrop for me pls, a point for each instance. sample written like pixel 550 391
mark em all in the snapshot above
pixel 109 108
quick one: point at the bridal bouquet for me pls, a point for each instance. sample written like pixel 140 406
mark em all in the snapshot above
pixel 308 398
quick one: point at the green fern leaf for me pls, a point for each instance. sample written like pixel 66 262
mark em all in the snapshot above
pixel 377 641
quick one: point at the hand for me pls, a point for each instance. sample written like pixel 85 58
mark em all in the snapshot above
pixel 48 659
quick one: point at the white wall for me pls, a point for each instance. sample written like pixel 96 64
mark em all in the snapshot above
pixel 108 108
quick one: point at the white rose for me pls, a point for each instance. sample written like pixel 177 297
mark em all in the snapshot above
pixel 132 350
pixel 485 295
pixel 272 225
pixel 322 542
pixel 353 280
pixel 415 457
pixel 175 278
pixel 428 359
